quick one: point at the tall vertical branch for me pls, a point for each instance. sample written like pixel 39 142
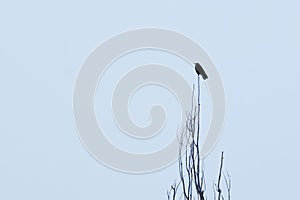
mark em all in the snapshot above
pixel 198 113
pixel 198 172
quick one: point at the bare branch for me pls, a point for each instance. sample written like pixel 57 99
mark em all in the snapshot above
pixel 191 168
pixel 219 179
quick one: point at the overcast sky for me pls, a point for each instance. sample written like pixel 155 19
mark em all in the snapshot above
pixel 254 44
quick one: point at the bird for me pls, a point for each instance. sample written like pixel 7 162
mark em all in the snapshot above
pixel 200 71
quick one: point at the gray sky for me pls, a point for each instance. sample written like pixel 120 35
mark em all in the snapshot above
pixel 254 44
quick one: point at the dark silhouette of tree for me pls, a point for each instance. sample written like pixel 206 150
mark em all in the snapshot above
pixel 192 183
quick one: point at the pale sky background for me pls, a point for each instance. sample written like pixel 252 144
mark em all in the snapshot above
pixel 254 44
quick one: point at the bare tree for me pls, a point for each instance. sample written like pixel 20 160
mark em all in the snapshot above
pixel 191 165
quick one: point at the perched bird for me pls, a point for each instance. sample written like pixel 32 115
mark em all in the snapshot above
pixel 200 71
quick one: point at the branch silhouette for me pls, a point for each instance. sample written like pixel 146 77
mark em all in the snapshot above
pixel 190 164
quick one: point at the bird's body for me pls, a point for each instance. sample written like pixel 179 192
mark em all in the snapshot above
pixel 200 71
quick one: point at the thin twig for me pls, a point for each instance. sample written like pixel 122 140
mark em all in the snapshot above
pixel 228 184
